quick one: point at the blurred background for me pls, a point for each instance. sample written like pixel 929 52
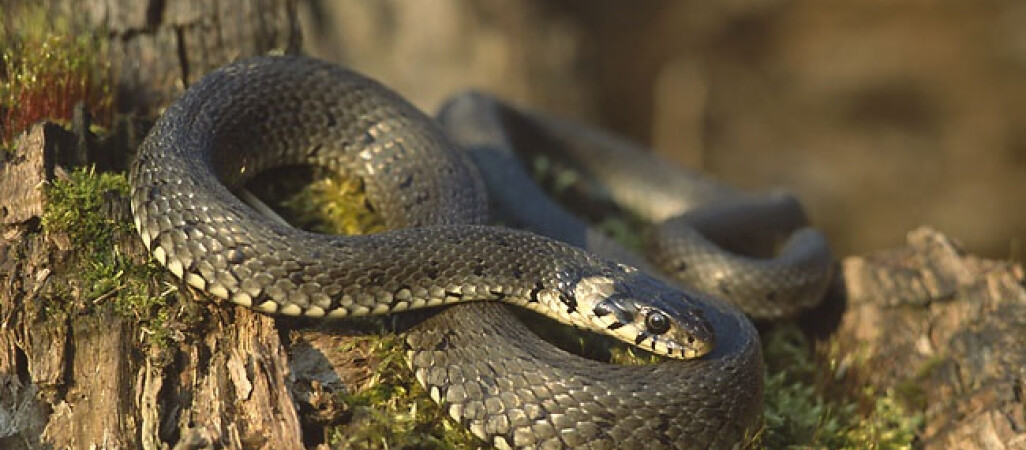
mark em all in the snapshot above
pixel 880 116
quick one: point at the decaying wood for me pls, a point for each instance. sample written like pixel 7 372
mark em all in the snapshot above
pixel 157 48
pixel 75 375
pixel 948 327
pixel 23 175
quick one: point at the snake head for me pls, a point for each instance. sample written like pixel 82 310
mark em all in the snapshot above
pixel 655 317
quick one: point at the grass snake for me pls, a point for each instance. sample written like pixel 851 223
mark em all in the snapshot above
pixel 486 369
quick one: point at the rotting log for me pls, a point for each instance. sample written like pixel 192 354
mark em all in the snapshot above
pixel 946 329
pixel 158 48
pixel 74 373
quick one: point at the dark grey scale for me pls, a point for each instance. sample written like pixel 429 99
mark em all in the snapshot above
pixel 196 236
pixel 250 286
pixel 432 273
pixel 209 268
pixel 163 223
pixel 222 277
pixel 274 269
pixel 166 242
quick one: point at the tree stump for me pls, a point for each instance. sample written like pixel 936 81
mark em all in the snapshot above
pixel 75 375
pixel 949 331
pixel 158 48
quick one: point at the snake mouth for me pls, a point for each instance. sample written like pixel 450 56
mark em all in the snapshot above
pixel 676 344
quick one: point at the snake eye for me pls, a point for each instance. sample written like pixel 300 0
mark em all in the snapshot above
pixel 657 322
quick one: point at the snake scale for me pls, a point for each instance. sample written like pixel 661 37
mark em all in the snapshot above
pixel 482 365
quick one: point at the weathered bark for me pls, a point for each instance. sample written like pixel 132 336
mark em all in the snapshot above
pixel 73 373
pixel 946 329
pixel 158 48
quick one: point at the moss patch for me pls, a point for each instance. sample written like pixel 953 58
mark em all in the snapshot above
pixel 318 200
pixel 392 410
pixel 802 410
pixel 77 207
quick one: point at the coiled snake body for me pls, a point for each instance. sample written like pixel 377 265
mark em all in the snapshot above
pixel 491 374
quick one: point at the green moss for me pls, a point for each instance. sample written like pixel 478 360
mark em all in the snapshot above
pixel 626 355
pixel 318 200
pixel 75 208
pixel 624 231
pixel 335 205
pixel 802 412
pixel 47 67
pixel 126 286
pixel 393 411
pixel 557 178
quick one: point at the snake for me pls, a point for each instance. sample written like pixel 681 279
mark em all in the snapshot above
pixel 756 250
pixel 474 357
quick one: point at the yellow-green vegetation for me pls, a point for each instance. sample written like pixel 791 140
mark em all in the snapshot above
pixel 393 411
pixel 335 205
pixel 802 411
pixel 46 68
pixel 75 208
pixel 551 174
pixel 318 200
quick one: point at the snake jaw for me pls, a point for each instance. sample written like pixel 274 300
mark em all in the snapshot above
pixel 691 337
